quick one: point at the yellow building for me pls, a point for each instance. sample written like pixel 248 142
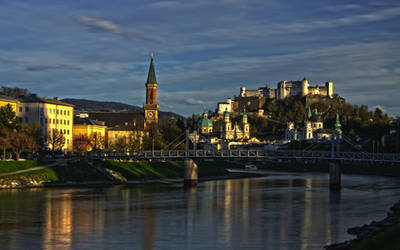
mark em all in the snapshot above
pixel 5 100
pixel 50 114
pixel 95 130
pixel 127 133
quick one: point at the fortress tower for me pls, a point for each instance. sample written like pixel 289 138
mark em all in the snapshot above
pixel 151 107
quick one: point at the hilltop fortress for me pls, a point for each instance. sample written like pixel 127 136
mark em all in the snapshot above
pixel 254 99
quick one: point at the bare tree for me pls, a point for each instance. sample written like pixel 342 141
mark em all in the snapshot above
pixel 5 141
pixel 20 142
pixel 56 140
pixel 83 143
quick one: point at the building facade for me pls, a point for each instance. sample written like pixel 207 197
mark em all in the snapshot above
pixel 5 100
pixel 51 114
pixel 230 131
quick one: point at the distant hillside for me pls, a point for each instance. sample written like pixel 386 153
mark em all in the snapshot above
pixel 98 106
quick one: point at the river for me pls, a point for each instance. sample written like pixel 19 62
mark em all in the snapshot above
pixel 280 211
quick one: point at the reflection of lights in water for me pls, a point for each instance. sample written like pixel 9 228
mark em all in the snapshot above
pixel 307 217
pixel 228 211
pixel 58 217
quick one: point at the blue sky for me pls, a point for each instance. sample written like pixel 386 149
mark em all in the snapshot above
pixel 204 50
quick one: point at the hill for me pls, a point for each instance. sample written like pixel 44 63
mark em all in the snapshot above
pixel 99 106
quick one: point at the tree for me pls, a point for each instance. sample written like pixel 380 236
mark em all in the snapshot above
pixel 8 118
pixel 56 140
pixel 20 142
pixel 5 143
pixel 82 143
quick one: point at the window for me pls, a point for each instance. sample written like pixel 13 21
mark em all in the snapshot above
pixel 41 121
pixel 49 110
pixel 68 122
pixel 57 112
pixel 45 120
pixel 26 119
pixel 20 109
pixel 57 121
pixel 116 136
pixel 68 112
pixel 65 112
pixel 54 121
pixel 26 109
pixel 67 131
pixel 65 122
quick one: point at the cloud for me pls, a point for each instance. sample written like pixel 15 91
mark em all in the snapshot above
pixel 52 67
pixel 99 24
pixel 192 101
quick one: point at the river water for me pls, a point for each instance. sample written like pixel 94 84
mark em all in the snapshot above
pixel 280 211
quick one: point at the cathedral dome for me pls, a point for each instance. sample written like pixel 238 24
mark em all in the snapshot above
pixel 205 122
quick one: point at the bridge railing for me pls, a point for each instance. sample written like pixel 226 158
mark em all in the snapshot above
pixel 280 154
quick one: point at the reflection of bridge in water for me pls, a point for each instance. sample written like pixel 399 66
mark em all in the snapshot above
pixel 261 155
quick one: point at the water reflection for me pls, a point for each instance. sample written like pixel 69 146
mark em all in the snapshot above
pixel 278 212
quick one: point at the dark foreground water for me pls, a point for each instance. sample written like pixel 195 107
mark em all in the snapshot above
pixel 282 211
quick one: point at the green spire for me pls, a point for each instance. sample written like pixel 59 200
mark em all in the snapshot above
pixel 337 123
pixel 309 114
pixel 244 113
pixel 151 78
pixel 226 114
pixel 315 111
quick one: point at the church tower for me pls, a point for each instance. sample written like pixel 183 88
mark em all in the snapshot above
pixel 151 107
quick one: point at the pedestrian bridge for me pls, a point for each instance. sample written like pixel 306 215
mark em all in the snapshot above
pixel 248 154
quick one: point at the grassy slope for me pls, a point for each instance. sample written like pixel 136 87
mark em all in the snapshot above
pixel 386 240
pixel 77 172
pixel 155 170
pixel 82 172
pixel 11 166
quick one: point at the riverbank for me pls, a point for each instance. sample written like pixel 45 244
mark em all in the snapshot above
pixel 81 173
pixel 381 170
pixel 379 235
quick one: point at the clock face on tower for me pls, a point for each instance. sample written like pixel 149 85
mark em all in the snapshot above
pixel 150 114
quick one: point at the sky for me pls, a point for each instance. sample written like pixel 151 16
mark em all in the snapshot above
pixel 204 51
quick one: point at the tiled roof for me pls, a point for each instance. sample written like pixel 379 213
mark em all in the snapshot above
pixel 7 99
pixel 87 121
pixel 35 98
pixel 119 120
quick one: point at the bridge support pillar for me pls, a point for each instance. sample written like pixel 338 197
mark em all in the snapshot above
pixel 334 176
pixel 190 178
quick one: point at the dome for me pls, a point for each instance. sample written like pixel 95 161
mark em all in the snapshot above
pixel 205 122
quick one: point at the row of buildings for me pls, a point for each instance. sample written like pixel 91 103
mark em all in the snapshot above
pixel 55 115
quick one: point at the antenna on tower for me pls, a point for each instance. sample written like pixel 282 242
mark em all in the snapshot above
pixel 152 55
